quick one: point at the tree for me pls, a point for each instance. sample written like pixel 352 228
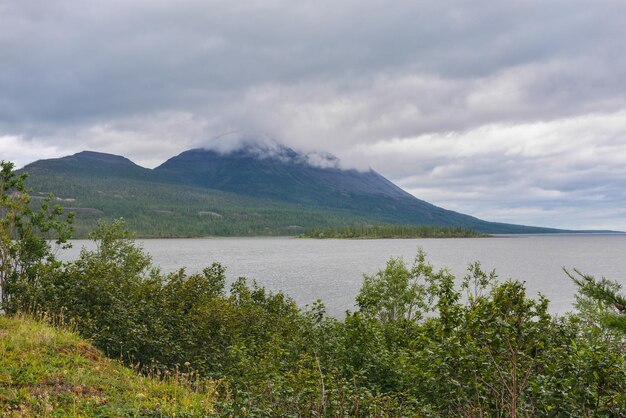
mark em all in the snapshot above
pixel 25 235
pixel 600 299
pixel 396 292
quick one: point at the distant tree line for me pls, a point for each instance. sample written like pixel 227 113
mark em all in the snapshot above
pixel 392 231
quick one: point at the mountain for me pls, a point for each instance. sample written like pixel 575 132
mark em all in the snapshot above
pixel 282 174
pixel 285 175
pixel 91 164
pixel 255 189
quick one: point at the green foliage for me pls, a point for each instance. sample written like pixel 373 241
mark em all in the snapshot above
pixel 392 231
pixel 599 301
pixel 25 234
pixel 497 353
pixel 396 292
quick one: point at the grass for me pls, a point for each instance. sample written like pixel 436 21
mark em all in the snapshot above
pixel 50 372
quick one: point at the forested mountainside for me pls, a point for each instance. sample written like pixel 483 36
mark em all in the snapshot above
pixel 245 192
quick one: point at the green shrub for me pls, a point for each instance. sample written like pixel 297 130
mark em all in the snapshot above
pixel 25 235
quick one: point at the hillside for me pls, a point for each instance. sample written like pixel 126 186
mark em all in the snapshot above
pixel 249 191
pixel 155 208
pixel 45 371
pixel 282 174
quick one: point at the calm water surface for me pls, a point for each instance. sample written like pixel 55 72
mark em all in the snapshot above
pixel 332 270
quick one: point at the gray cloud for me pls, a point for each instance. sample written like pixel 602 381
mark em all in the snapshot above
pixel 508 110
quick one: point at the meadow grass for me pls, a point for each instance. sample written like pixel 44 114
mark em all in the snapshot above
pixel 46 371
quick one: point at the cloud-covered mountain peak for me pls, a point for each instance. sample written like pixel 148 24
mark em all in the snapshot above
pixel 263 146
pixel 321 159
pixel 234 141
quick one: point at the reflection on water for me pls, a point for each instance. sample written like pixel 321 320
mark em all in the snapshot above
pixel 332 270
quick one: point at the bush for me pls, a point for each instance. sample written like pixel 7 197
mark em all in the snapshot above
pixel 25 235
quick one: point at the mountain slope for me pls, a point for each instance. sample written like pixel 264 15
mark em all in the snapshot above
pixel 282 174
pixel 254 190
pixel 154 206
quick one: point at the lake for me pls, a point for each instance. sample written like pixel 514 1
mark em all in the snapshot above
pixel 332 270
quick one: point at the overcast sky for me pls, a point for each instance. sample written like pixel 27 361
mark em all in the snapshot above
pixel 511 111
